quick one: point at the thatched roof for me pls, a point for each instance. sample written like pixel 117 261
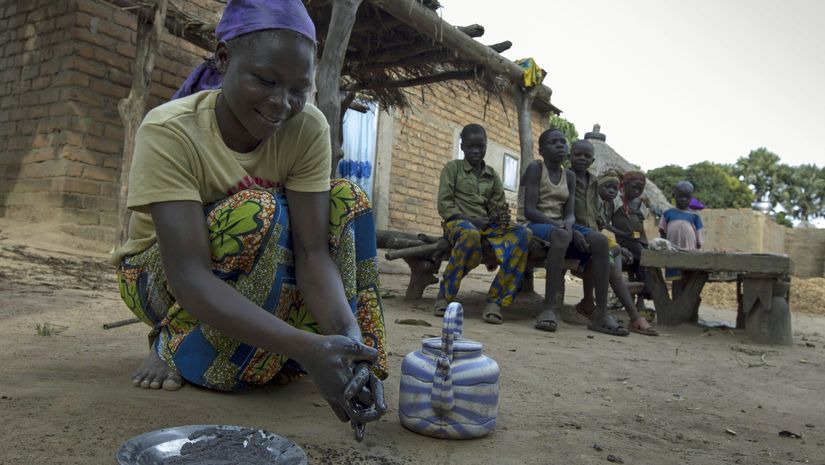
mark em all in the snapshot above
pixel 384 55
pixel 606 158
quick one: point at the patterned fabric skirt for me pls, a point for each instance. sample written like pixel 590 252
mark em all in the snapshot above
pixel 251 249
pixel 510 246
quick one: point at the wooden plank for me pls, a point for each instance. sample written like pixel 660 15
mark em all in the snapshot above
pixel 718 261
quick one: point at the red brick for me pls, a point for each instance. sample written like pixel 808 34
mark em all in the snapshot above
pixel 109 190
pixel 104 87
pixel 100 174
pixel 77 186
pixel 118 32
pixel 50 95
pixel 79 154
pixel 42 140
pixel 41 83
pixel 10 75
pixel 112 162
pixel 96 8
pixel 9 101
pixel 51 168
pixel 72 78
pixel 57 9
pixel 94 38
pixel 112 59
pixel 103 145
pixel 83 95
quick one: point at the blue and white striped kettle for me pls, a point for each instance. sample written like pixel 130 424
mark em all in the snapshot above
pixel 449 389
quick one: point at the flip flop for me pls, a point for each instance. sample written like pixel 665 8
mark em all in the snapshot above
pixel 492 314
pixel 608 325
pixel 547 323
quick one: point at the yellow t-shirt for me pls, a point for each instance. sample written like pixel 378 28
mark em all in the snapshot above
pixel 180 155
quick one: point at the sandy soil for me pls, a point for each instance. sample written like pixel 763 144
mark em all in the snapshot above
pixel 692 396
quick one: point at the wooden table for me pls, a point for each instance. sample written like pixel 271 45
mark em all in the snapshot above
pixel 762 287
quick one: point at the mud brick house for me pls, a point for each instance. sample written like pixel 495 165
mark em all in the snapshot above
pixel 65 65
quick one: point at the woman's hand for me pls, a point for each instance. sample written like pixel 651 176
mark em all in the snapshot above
pixel 340 368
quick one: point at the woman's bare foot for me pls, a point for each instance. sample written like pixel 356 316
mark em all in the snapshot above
pixel 154 373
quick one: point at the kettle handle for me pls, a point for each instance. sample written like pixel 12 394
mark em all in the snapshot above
pixel 451 329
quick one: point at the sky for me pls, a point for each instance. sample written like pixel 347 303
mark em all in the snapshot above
pixel 674 81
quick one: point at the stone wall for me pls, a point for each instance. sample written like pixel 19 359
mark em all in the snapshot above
pixel 742 229
pixel 65 65
pixel 806 247
pixel 426 137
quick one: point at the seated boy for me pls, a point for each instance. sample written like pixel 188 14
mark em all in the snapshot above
pixel 472 206
pixel 547 197
pixel 588 211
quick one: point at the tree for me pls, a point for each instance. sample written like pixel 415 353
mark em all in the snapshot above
pixel 802 191
pixel 566 127
pixel 714 184
pixel 665 177
pixel 716 188
pixel 760 170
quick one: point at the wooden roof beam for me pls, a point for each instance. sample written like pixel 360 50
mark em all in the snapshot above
pixel 428 22
pixel 462 75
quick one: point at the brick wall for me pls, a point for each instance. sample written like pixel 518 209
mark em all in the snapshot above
pixel 425 138
pixel 65 65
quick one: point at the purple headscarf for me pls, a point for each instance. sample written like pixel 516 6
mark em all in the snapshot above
pixel 242 17
pixel 695 204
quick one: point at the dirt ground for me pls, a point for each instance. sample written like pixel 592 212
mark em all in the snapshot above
pixel 691 396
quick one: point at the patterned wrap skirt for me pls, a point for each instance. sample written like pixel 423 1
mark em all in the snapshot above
pixel 251 249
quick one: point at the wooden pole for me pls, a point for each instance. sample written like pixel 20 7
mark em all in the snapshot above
pixel 328 78
pixel 523 99
pixel 131 109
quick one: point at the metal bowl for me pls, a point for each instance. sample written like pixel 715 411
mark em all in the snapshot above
pixel 155 447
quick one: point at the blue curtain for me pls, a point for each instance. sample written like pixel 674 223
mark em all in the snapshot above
pixel 360 132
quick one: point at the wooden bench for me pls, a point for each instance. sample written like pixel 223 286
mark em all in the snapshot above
pixel 762 289
pixel 424 253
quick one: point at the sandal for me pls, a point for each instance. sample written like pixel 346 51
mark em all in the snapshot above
pixel 608 325
pixel 649 331
pixel 492 314
pixel 547 321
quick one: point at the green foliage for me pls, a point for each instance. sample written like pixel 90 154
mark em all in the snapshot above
pixel 718 189
pixel 665 177
pixel 782 218
pixel 802 192
pixel 566 127
pixel 794 192
pixel 715 186
pixel 49 329
pixel 798 190
pixel 760 170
